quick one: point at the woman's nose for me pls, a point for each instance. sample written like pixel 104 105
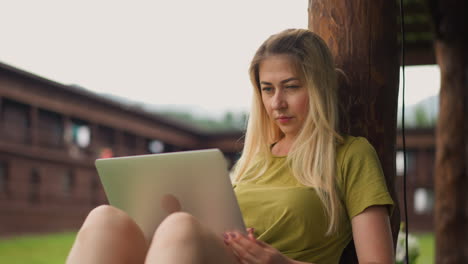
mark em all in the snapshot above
pixel 279 101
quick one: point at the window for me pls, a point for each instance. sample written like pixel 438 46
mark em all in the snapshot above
pixel 16 121
pixel 34 185
pixel 81 135
pixel 78 133
pixel 50 129
pixel 399 162
pixel 423 200
pixel 155 146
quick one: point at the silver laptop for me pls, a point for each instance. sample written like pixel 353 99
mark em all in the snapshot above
pixel 150 187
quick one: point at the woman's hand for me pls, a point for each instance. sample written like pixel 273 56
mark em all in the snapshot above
pixel 249 250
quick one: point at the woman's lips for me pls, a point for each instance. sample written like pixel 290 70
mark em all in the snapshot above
pixel 283 119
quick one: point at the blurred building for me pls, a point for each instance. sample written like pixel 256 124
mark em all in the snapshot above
pixel 50 136
pixel 420 162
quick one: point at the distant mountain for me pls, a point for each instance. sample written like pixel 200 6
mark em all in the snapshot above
pixel 196 116
pixel 195 110
pixel 421 114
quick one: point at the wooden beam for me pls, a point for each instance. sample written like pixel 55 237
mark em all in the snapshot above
pixel 451 169
pixel 362 35
pixel 451 156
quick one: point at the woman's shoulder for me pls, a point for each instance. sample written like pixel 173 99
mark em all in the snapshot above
pixel 352 146
pixel 357 161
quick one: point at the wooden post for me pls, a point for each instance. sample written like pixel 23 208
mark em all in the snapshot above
pixel 451 169
pixel 66 141
pixel 33 129
pixel 94 144
pixel 362 35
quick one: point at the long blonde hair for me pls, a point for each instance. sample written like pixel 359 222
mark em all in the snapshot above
pixel 313 154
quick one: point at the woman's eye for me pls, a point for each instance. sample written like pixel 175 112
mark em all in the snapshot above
pixel 292 86
pixel 267 89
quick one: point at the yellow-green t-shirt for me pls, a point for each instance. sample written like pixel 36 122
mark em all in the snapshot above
pixel 290 217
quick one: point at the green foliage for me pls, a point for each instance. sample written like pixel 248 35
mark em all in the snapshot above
pixel 418 22
pixel 413 247
pixel 229 122
pixel 421 117
pixel 234 121
pixel 37 249
pixel 421 248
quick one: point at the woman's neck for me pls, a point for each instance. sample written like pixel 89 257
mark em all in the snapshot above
pixel 282 147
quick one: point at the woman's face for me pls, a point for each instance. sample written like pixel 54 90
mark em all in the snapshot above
pixel 284 94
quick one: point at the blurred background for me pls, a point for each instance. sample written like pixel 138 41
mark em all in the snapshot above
pixel 96 79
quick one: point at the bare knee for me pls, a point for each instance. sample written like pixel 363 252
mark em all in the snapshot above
pixel 106 217
pixel 181 238
pixel 108 235
pixel 105 211
pixel 180 218
pixel 106 214
pixel 179 227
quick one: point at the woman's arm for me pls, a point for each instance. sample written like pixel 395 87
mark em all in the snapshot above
pixel 373 236
pixel 371 233
pixel 249 250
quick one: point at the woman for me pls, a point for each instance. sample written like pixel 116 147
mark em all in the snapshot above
pixel 305 190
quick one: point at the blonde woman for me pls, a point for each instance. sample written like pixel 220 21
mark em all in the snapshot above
pixel 304 189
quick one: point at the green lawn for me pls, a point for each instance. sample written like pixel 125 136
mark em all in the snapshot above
pixel 39 249
pixel 53 249
pixel 426 245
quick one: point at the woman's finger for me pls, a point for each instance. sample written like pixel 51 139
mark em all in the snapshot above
pixel 250 233
pixel 238 258
pixel 248 249
pixel 243 254
pixel 261 243
pixel 245 241
pixel 229 245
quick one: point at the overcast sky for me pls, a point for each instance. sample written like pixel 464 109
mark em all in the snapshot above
pixel 180 53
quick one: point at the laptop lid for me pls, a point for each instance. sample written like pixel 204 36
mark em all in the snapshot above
pixel 150 187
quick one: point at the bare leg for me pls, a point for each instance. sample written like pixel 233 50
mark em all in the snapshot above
pixel 108 235
pixel 180 238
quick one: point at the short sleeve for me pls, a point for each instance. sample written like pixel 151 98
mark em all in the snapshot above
pixel 363 182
